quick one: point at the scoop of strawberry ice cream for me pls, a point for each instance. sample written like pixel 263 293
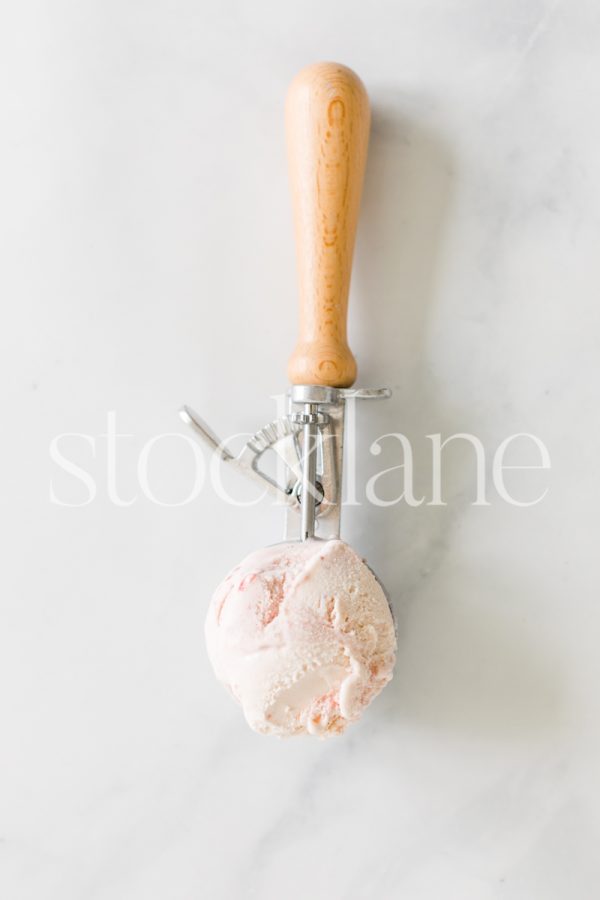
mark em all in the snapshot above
pixel 302 635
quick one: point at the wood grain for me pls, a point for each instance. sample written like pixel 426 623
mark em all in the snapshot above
pixel 327 126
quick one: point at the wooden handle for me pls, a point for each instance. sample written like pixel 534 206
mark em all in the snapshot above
pixel 327 125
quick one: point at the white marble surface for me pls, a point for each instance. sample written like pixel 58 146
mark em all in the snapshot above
pixel 147 260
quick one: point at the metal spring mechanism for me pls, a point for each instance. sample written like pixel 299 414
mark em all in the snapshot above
pixel 309 442
pixel 311 491
pixel 309 472
pixel 312 419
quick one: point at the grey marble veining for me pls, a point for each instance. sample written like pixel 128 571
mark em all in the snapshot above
pixel 146 234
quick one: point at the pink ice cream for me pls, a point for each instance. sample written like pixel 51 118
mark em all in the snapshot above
pixel 303 637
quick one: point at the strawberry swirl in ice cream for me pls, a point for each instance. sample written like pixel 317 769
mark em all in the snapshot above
pixel 302 635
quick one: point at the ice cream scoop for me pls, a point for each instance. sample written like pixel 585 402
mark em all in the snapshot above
pixel 302 635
